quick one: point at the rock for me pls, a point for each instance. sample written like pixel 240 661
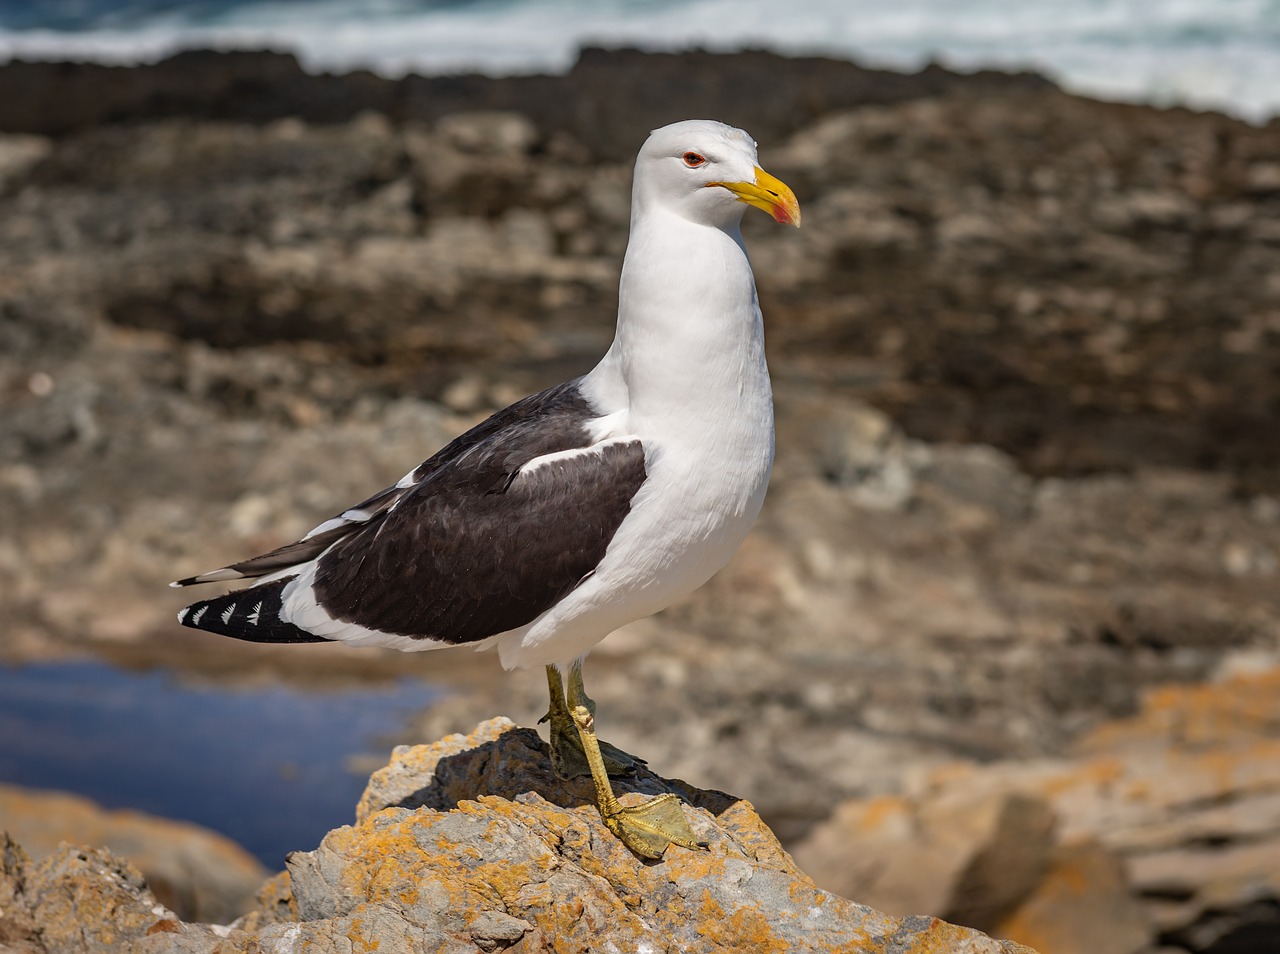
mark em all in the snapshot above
pixel 18 929
pixel 496 132
pixel 76 901
pixel 532 869
pixel 87 901
pixel 84 899
pixel 978 477
pixel 607 95
pixel 864 452
pixel 197 873
pixel 1082 905
pixel 972 858
pixel 1186 794
pixel 483 843
pixel 1169 828
pixel 18 153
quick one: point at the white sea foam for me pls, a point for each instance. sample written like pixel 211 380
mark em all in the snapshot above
pixel 1221 54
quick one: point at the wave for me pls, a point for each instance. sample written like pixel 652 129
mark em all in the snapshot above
pixel 1219 54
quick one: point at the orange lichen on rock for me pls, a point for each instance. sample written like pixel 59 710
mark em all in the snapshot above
pixel 1197 716
pixel 746 928
pixel 530 867
pixel 940 937
pixel 540 867
pixel 882 810
pixel 361 943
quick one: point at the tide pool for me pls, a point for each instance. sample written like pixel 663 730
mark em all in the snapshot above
pixel 268 766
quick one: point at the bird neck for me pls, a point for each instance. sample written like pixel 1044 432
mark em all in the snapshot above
pixel 690 340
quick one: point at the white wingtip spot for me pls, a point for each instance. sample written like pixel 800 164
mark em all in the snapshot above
pixel 175 585
pixel 182 615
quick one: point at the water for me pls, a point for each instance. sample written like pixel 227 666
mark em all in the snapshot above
pixel 1221 54
pixel 265 766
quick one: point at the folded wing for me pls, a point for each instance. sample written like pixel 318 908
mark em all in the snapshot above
pixel 480 539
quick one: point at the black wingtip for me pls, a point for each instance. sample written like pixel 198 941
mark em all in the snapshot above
pixel 251 614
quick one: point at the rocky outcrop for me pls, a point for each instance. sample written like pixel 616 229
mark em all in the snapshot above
pixel 1167 832
pixel 599 104
pixel 474 845
pixel 195 872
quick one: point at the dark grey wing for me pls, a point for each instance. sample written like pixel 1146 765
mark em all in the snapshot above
pixel 479 548
pixel 481 538
pixel 551 420
pixel 541 423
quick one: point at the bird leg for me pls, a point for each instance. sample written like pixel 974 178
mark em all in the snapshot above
pixel 646 828
pixel 566 744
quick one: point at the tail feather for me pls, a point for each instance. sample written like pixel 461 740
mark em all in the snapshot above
pixel 252 614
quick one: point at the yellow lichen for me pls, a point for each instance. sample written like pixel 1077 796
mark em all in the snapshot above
pixel 746 929
pixel 878 810
pixel 359 942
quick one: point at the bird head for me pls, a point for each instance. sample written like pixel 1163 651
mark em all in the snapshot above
pixel 707 172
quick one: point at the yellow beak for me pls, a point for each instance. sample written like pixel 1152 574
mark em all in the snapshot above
pixel 772 195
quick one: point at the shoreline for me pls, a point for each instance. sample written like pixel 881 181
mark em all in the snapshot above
pixel 605 93
pixel 1191 71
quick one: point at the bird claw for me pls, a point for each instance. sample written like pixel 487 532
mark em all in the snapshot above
pixel 648 828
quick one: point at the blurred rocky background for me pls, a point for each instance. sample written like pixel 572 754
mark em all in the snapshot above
pixel 1005 645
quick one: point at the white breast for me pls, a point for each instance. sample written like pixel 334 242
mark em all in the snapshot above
pixel 686 375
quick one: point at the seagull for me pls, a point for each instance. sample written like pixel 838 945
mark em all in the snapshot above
pixel 579 509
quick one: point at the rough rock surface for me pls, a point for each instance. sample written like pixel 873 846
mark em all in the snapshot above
pixel 197 873
pixel 1168 832
pixel 526 868
pixel 76 900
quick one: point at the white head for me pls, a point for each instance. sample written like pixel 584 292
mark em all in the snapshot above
pixel 705 171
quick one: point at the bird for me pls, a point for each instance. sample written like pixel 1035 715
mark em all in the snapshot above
pixel 579 509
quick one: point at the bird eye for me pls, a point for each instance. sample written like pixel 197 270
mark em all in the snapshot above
pixel 693 160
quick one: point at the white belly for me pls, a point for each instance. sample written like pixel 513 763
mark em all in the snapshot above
pixel 686 522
